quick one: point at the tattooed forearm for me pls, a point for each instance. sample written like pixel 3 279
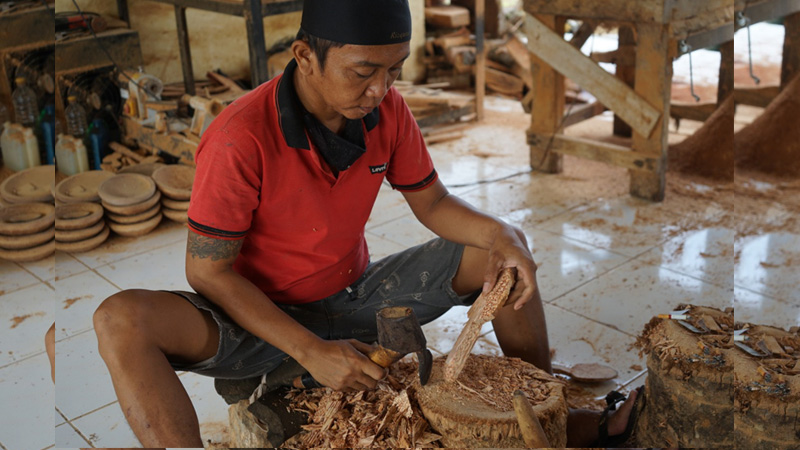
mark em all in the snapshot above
pixel 217 249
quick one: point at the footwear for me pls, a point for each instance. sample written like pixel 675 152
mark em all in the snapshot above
pixel 612 400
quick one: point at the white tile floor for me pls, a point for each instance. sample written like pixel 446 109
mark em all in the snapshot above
pixel 606 267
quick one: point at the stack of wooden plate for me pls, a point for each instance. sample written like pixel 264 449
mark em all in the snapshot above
pixel 132 204
pixel 81 187
pixel 29 186
pixel 27 232
pixel 175 183
pixel 80 227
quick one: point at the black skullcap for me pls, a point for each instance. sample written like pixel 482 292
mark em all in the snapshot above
pixel 358 22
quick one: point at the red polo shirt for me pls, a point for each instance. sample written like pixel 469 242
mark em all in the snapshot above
pixel 260 179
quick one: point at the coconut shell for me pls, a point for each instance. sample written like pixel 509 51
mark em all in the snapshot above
pixel 81 187
pixel 27 240
pixel 136 229
pixel 126 189
pixel 79 235
pixel 136 218
pixel 30 254
pixel 29 185
pixel 175 181
pixel 134 209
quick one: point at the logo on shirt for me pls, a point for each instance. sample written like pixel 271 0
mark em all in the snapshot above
pixel 378 169
pixel 399 35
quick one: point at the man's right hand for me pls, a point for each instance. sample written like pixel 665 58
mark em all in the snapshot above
pixel 343 365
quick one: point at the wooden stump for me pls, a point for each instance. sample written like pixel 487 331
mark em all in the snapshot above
pixel 689 387
pixel 477 411
pixel 247 431
pixel 767 392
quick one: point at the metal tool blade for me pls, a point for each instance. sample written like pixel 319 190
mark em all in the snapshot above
pixel 425 365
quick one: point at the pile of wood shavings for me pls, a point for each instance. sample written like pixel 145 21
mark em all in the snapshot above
pixel 387 417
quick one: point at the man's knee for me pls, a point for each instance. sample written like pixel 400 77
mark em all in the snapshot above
pixel 121 318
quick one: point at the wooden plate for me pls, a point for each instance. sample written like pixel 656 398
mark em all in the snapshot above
pixel 81 187
pixel 77 216
pixel 134 209
pixel 30 254
pixel 176 205
pixel 86 244
pixel 175 181
pixel 26 218
pixel 136 229
pixel 176 216
pixel 30 185
pixel 136 218
pixel 79 235
pixel 143 169
pixel 126 189
pixel 27 240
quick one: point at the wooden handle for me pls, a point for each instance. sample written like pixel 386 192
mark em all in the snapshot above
pixel 532 432
pixel 383 356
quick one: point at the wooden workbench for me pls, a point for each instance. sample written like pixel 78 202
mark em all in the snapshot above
pixel 252 10
pixel 653 33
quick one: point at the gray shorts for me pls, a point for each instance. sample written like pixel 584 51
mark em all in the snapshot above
pixel 420 277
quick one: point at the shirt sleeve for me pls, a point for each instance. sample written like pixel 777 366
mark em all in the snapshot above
pixel 410 168
pixel 226 187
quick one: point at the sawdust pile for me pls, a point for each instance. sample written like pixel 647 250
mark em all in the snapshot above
pixel 771 143
pixel 709 151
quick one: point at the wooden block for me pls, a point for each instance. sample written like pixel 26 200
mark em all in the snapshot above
pixel 460 37
pixel 503 82
pixel 613 154
pixel 447 16
pixel 462 57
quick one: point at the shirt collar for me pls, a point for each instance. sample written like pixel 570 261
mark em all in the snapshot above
pixel 291 110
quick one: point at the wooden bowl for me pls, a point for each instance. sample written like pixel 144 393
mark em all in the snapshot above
pixel 86 244
pixel 126 189
pixel 176 205
pixel 77 216
pixel 29 185
pixel 175 216
pixel 175 181
pixel 26 218
pixel 30 254
pixel 79 235
pixel 136 218
pixel 143 169
pixel 27 240
pixel 134 209
pixel 81 187
pixel 136 229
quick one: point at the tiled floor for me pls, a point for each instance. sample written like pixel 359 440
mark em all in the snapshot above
pixel 607 264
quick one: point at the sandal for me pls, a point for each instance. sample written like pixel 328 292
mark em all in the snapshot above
pixel 612 400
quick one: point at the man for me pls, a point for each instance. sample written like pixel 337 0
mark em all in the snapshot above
pixel 286 180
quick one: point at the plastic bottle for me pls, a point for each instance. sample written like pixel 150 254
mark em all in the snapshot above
pixel 48 126
pixel 98 143
pixel 4 116
pixel 71 155
pixel 24 100
pixel 19 147
pixel 76 118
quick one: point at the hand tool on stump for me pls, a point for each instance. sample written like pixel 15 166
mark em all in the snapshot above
pixel 532 432
pixel 482 311
pixel 587 373
pixel 399 333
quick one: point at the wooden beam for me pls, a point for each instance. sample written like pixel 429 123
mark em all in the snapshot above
pixel 582 34
pixel 654 83
pixel 770 9
pixel 755 96
pixel 790 66
pixel 613 154
pixel 480 61
pixel 447 16
pixel 583 112
pixel 626 72
pixel 636 11
pixel 610 91
pixel 692 111
pixel 548 100
pixel 725 83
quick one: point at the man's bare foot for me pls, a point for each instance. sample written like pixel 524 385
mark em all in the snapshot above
pixel 618 420
pixel 583 426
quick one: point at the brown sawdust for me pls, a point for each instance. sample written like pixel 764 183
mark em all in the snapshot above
pixel 708 152
pixel 771 143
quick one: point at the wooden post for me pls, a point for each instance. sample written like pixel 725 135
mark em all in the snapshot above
pixel 653 84
pixel 480 62
pixel 548 104
pixel 254 23
pixel 625 72
pixel 725 86
pixel 791 49
pixel 183 45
